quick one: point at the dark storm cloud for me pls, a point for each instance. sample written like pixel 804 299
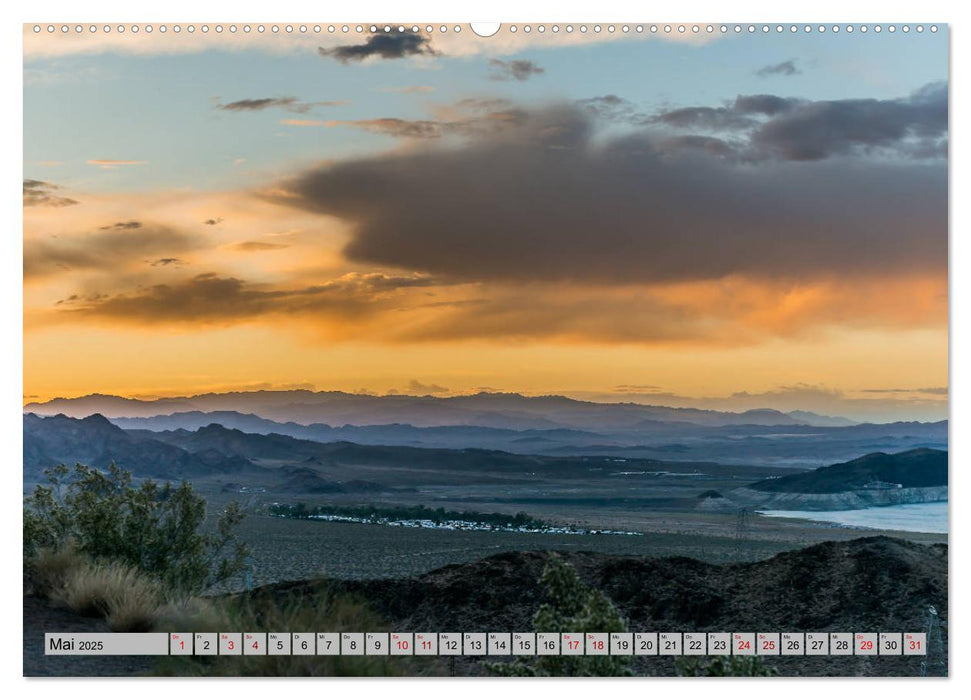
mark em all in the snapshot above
pixel 792 129
pixel 784 68
pixel 38 193
pixel 768 105
pixel 519 69
pixel 705 144
pixel 545 201
pixel 816 130
pixel 745 113
pixel 712 118
pixel 383 45
pixel 105 252
pixel 611 108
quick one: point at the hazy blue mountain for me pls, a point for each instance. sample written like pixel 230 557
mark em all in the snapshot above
pixel 96 442
pixel 815 419
pixel 796 445
pixel 909 469
pixel 488 410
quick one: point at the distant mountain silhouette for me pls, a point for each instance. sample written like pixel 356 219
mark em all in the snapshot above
pixel 913 468
pixel 794 445
pixel 96 442
pixel 487 410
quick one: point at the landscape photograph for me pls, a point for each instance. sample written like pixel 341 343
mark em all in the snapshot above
pixel 399 328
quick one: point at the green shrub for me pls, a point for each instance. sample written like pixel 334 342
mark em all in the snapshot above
pixel 157 529
pixel 570 606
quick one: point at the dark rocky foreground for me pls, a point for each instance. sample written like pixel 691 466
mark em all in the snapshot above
pixel 870 584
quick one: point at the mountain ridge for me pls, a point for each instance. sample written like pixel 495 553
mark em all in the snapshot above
pixel 484 409
pixel 918 468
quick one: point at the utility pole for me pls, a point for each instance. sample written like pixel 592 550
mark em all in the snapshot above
pixel 935 646
pixel 741 531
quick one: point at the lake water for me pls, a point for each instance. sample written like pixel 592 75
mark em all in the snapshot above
pixel 912 517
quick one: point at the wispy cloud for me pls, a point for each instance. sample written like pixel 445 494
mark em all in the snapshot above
pixel 258 104
pixel 123 226
pixel 301 122
pixel 518 69
pixel 784 68
pixel 290 104
pixel 106 163
pixel 409 89
pixel 254 246
pixel 111 249
pixel 466 118
pixel 167 262
pixel 417 387
pixel 931 391
pixel 215 298
pixel 38 193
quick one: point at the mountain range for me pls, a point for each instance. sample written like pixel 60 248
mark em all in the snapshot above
pixel 95 441
pixel 548 425
pixel 485 410
pixel 293 463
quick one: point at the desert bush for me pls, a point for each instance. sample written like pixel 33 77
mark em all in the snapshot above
pixel 127 599
pixel 156 528
pixel 570 606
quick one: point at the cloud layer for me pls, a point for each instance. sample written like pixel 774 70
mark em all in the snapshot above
pixel 388 46
pixel 518 69
pixel 113 248
pixel 38 193
pixel 784 68
pixel 641 207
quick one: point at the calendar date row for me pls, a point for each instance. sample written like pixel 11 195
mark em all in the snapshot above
pixel 491 644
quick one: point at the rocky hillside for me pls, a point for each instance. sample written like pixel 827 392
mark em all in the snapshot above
pixel 918 468
pixel 868 584
pixel 96 442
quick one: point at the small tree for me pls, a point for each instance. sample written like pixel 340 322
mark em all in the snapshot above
pixel 156 528
pixel 570 606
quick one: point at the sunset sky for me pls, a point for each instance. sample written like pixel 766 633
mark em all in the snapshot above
pixel 723 221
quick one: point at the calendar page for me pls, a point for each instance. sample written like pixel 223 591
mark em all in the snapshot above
pixel 518 349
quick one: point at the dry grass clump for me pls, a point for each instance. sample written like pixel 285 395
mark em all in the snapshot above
pixel 318 612
pixel 51 568
pixel 191 614
pixel 127 599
